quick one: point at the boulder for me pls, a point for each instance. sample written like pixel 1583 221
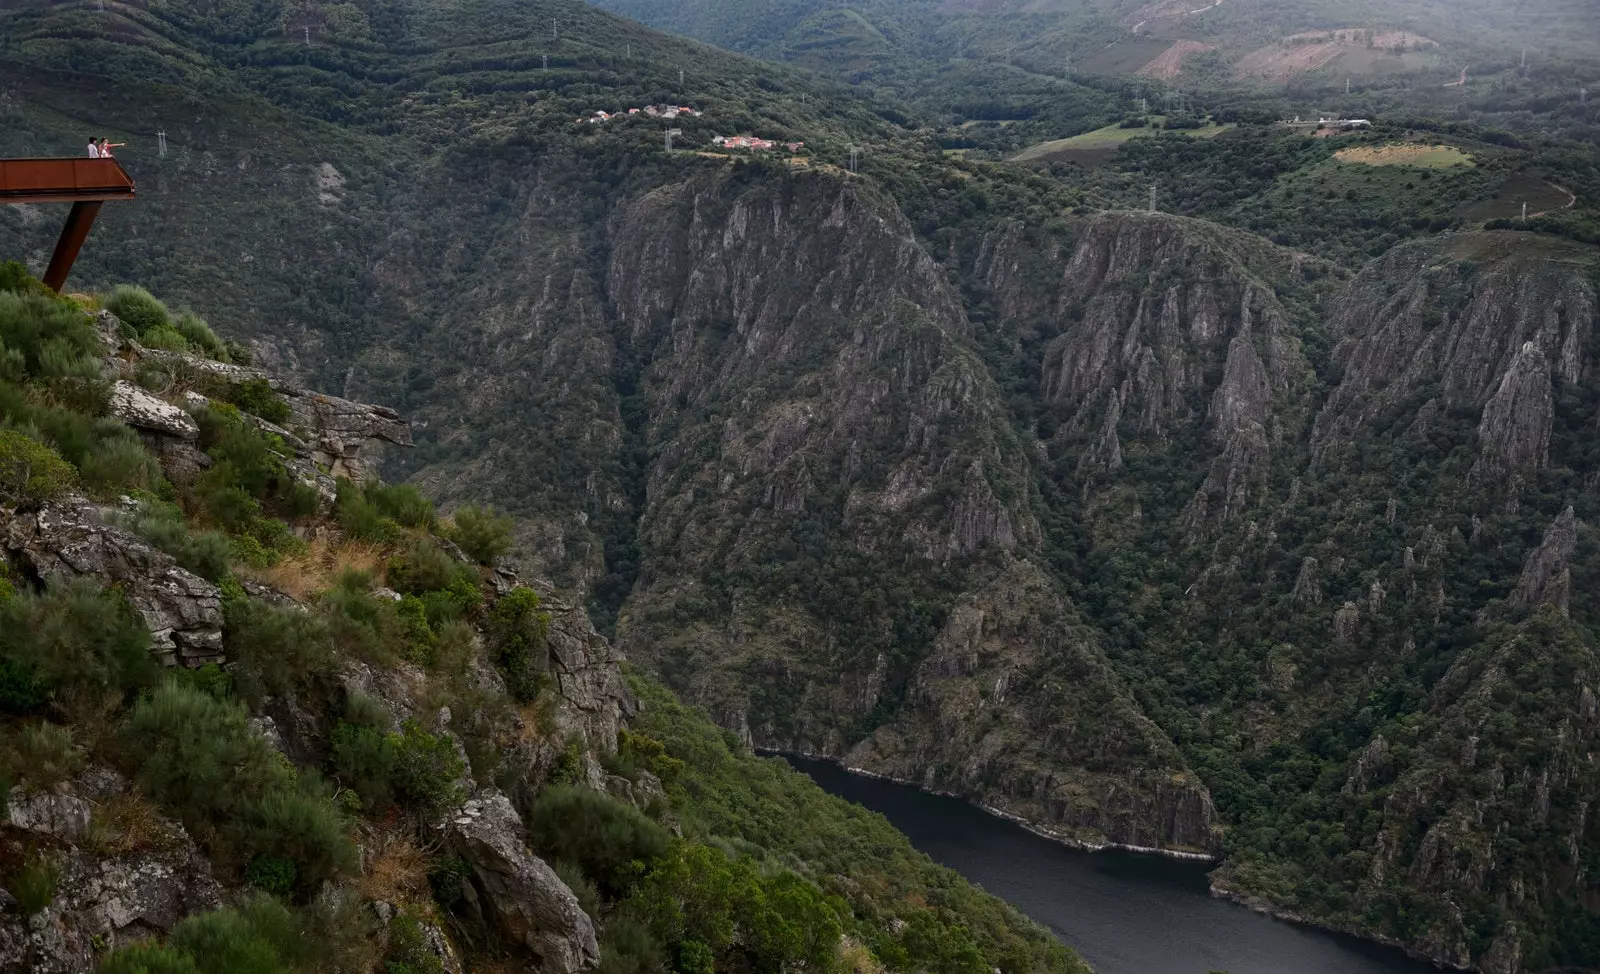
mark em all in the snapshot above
pixel 144 411
pixel 515 893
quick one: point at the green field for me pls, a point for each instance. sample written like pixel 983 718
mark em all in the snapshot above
pixel 1100 142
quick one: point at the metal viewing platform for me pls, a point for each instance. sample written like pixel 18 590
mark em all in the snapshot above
pixel 85 183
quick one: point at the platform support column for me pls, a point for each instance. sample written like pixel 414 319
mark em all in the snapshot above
pixel 79 221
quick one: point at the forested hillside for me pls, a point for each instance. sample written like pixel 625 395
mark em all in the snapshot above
pixel 1254 528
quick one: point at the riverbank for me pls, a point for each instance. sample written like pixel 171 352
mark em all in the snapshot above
pixel 1267 908
pixel 1070 841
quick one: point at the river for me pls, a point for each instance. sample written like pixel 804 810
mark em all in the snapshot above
pixel 1125 913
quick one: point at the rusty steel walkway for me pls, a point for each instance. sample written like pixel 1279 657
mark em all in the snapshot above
pixel 85 183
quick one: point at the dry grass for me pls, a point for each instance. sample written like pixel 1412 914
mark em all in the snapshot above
pixel 314 572
pixel 855 958
pixel 1405 154
pixel 398 869
pixel 127 823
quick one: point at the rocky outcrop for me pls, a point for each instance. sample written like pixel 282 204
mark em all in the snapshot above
pixel 72 538
pixel 513 892
pixel 104 898
pixel 1547 573
pixel 330 437
pixel 1514 434
pixel 1440 314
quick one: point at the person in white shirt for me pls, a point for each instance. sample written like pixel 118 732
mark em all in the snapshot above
pixel 94 149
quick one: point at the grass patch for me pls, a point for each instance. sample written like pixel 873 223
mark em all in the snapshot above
pixel 1112 137
pixel 1405 154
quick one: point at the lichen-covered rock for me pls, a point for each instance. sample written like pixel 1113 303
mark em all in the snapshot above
pixel 71 538
pixel 103 902
pixel 62 815
pixel 515 893
pixel 143 411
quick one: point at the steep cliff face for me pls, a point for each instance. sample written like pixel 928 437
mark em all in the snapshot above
pixel 841 528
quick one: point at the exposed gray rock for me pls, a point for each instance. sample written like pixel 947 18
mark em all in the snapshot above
pixel 64 816
pixel 1547 572
pixel 71 538
pixel 106 902
pixel 144 411
pixel 517 893
pixel 1514 433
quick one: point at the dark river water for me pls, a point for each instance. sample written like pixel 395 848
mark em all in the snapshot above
pixel 1125 913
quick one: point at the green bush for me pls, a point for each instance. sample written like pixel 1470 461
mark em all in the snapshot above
pixel 403 503
pixel 423 567
pixel 271 874
pixel 41 755
pixel 30 472
pixel 138 309
pixel 164 338
pixel 518 635
pixel 427 770
pixel 202 760
pixel 360 518
pixel 483 534
pixel 409 952
pixel 418 769
pixel 275 649
pixel 33 883
pixel 255 396
pixel 52 335
pixel 607 839
pixel 628 947
pixel 206 553
pixel 199 334
pixel 72 638
pixel 258 936
pixel 363 760
pixel 15 278
pixel 120 463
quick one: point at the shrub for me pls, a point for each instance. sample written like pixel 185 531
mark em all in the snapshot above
pixel 31 323
pixel 363 760
pixel 427 770
pixel 481 533
pixel 424 567
pixel 15 278
pixel 206 553
pixel 361 518
pixel 165 338
pixel 403 503
pixel 120 462
pixel 138 309
pixel 203 760
pixel 271 874
pixel 519 640
pixel 42 755
pixel 303 826
pixel 275 649
pixel 199 334
pixel 30 472
pixel 630 948
pixel 73 637
pixel 259 935
pixel 409 952
pixel 597 833
pixel 255 396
